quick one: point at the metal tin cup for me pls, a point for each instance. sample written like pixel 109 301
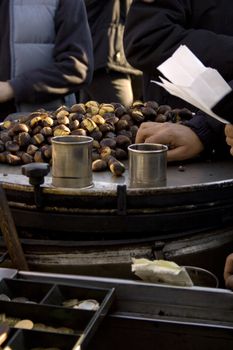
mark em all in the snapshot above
pixel 71 161
pixel 147 165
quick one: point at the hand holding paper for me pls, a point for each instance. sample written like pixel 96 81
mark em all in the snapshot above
pixel 190 80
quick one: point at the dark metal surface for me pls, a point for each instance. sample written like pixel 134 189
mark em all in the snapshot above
pixel 153 315
pixel 157 301
pixel 179 174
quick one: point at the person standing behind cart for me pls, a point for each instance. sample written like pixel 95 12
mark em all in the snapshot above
pixel 229 136
pixel 154 30
pixel 46 54
pixel 228 271
pixel 114 80
pixel 228 268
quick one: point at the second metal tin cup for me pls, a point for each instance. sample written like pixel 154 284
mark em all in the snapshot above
pixel 71 161
pixel 147 165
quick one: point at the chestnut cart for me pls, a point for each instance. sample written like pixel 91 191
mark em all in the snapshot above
pixel 98 230
pixel 141 316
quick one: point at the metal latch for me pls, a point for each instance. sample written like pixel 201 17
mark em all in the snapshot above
pixel 36 173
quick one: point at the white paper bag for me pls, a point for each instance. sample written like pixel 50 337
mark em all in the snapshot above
pixel 190 80
pixel 161 271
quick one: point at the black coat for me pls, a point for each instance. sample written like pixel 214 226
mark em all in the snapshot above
pixel 155 30
pixel 107 20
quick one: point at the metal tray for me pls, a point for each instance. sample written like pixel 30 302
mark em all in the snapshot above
pixel 53 321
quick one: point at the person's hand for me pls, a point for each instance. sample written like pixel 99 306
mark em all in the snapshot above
pixel 6 91
pixel 183 143
pixel 229 136
pixel 228 272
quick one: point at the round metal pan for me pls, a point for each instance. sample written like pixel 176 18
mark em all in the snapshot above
pixel 189 221
pixel 197 198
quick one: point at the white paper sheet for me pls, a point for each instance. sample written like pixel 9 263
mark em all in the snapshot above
pixel 190 80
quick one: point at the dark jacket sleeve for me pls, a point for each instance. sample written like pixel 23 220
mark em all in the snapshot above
pixel 73 58
pixel 155 30
pixel 211 131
